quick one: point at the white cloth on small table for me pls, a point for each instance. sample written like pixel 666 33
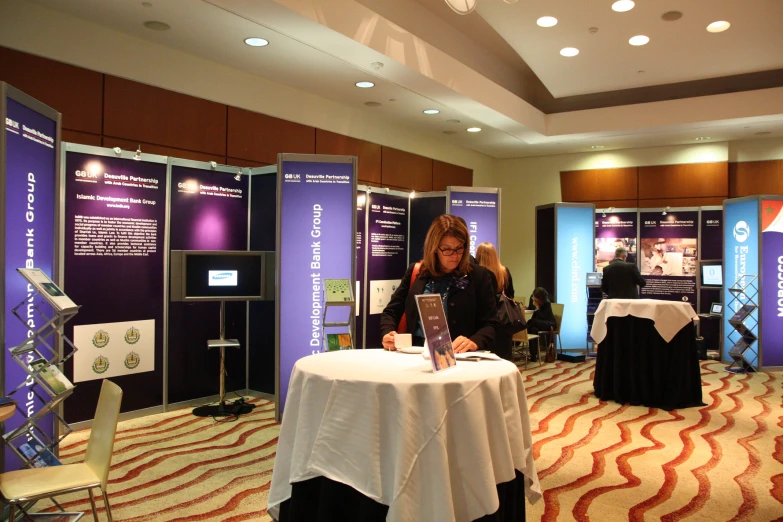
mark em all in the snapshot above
pixel 669 316
pixel 430 446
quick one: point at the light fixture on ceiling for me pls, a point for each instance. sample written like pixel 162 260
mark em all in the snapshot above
pixel 413 194
pixel 365 85
pixel 547 21
pixel 462 7
pixel 452 121
pixel 667 209
pixel 474 129
pixel 213 164
pixel 671 16
pixel 117 151
pixel 638 40
pixel 718 27
pixel 431 111
pixel 157 26
pixel 702 138
pixel 603 214
pixel 596 146
pixel 569 51
pixel 254 41
pixel 622 6
pixel 238 177
pixel 611 209
pixel 137 156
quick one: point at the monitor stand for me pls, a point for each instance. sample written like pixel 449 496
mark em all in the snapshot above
pixel 223 409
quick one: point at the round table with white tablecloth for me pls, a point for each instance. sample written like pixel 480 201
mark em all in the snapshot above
pixel 430 446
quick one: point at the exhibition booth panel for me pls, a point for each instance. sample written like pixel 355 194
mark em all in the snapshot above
pixel 480 208
pixel 425 207
pixel 753 283
pixel 30 207
pixel 564 255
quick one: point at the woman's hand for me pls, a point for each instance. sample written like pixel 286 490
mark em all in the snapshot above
pixel 388 341
pixel 463 344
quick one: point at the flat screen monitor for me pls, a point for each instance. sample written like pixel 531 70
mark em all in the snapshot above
pixel 711 274
pixel 716 309
pixel 208 275
pixel 594 278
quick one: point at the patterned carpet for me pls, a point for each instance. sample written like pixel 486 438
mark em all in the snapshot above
pixel 597 461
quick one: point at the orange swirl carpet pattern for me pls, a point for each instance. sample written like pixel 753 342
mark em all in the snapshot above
pixel 598 461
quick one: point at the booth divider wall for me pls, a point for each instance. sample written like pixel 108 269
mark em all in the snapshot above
pixel 480 208
pixel 114 264
pixel 30 207
pixel 425 207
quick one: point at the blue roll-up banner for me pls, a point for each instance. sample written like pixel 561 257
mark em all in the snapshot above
pixel 741 256
pixel 316 238
pixel 29 186
pixel 481 212
pixel 575 231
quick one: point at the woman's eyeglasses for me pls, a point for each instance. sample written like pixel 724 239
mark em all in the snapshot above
pixel 448 252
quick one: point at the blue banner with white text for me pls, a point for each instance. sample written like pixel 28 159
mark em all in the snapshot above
pixel 574 230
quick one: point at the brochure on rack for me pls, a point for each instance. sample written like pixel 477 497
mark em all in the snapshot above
pixel 48 290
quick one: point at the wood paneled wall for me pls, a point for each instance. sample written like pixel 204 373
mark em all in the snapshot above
pixel 686 185
pixel 755 177
pixel 104 110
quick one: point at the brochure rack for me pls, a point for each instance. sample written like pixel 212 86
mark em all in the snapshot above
pixel 53 308
pixel 744 306
pixel 594 298
pixel 337 293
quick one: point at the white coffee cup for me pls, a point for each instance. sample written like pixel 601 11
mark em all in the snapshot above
pixel 403 340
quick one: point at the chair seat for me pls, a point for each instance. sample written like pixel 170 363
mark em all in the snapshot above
pixel 37 482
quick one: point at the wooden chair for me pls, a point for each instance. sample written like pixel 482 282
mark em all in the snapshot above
pixel 26 485
pixel 522 341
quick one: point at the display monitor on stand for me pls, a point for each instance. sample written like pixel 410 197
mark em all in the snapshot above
pixel 213 275
pixel 711 274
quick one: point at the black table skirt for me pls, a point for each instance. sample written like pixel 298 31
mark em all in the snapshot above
pixel 635 365
pixel 324 500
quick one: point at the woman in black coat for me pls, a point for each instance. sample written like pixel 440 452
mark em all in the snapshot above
pixel 543 319
pixel 466 291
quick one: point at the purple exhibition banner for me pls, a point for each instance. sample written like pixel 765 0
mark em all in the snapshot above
pixel 481 212
pixel 208 210
pixel 361 215
pixel 772 282
pixel 668 254
pixel 115 214
pixel 30 179
pixel 711 234
pixel 317 241
pixel 387 258
pixel 613 230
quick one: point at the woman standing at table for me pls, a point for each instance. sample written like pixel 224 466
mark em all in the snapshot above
pixel 487 256
pixel 466 290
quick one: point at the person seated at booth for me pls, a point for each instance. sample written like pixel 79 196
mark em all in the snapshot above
pixel 487 256
pixel 466 290
pixel 543 319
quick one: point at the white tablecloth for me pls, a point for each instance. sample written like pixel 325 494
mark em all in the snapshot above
pixel 429 446
pixel 669 316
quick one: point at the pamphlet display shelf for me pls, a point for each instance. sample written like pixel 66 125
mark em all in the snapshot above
pixel 744 305
pixel 337 293
pixel 594 298
pixel 38 356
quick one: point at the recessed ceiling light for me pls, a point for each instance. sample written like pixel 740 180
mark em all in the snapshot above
pixel 671 16
pixel 474 129
pixel 547 21
pixel 256 42
pixel 621 6
pixel 452 121
pixel 569 51
pixel 638 40
pixel 596 146
pixel 718 27
pixel 702 138
pixel 431 111
pixel 157 26
pixel 365 85
pixel 372 104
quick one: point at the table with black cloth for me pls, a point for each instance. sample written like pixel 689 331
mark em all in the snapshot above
pixel 372 435
pixel 647 353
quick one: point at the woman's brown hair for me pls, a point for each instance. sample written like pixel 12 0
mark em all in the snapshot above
pixel 487 256
pixel 445 225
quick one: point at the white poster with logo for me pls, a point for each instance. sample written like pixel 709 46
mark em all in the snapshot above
pixel 113 349
pixel 380 294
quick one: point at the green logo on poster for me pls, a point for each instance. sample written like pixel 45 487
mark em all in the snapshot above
pixel 132 360
pixel 100 365
pixel 133 335
pixel 100 339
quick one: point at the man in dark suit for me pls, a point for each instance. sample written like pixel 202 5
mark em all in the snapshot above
pixel 620 278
